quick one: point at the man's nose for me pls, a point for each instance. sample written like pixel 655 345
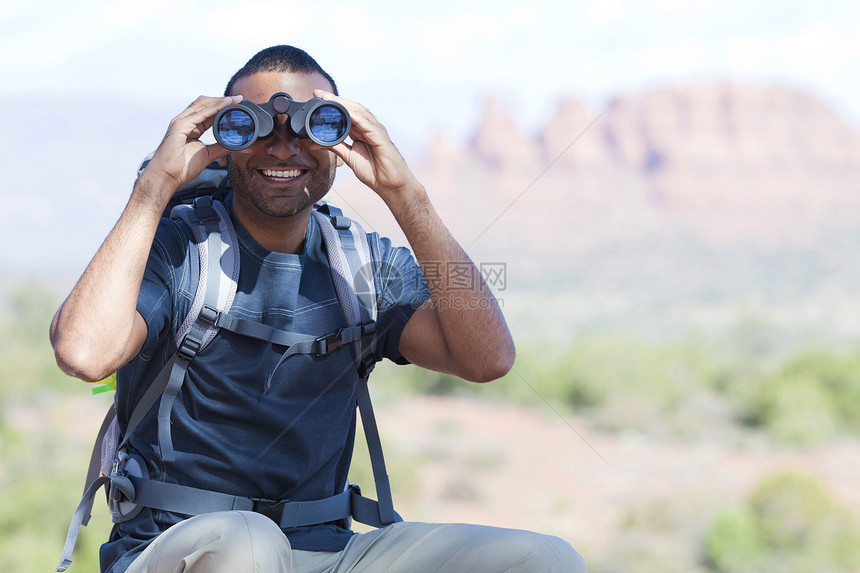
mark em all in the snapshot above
pixel 283 143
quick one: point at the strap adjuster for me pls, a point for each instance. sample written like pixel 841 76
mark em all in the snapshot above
pixel 121 489
pixel 270 508
pixel 341 222
pixel 189 347
pixel 203 209
pixel 329 343
pixel 208 314
pixel 325 345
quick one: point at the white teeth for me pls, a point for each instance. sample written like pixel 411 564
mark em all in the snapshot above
pixel 290 174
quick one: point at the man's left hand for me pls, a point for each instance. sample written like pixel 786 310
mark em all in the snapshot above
pixel 372 155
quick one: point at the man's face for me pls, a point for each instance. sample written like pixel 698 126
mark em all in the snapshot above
pixel 281 175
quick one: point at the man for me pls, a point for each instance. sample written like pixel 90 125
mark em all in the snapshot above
pixel 288 438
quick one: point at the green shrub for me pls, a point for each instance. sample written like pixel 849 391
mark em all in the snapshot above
pixel 627 383
pixel 812 398
pixel 838 373
pixel 734 543
pixel 788 525
pixel 795 409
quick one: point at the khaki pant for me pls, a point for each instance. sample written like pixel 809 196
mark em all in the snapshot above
pixel 246 542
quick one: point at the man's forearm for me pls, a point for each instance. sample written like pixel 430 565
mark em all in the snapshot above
pixel 472 324
pixel 98 329
pixel 93 331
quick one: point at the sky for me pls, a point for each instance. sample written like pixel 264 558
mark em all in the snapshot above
pixel 420 66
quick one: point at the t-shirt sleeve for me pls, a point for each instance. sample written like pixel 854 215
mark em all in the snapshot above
pixel 400 291
pixel 163 275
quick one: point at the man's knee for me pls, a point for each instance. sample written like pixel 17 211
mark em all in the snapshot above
pixel 497 549
pixel 230 541
pixel 529 551
pixel 251 542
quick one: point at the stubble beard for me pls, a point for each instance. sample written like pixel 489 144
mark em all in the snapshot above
pixel 249 188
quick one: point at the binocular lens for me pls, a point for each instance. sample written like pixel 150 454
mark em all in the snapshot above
pixel 236 127
pixel 239 125
pixel 327 124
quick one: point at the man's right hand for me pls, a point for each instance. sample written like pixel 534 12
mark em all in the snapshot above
pixel 181 156
pixel 98 328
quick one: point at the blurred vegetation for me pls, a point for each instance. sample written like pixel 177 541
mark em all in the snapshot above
pixel 788 525
pixel 42 464
pixel 813 398
pixel 692 389
pixel 659 536
pixel 26 363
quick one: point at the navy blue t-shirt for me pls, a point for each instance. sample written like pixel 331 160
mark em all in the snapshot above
pixel 232 435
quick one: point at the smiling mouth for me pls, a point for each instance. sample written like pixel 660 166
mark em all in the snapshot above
pixel 282 175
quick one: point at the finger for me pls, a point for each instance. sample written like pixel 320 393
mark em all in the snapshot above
pixel 325 94
pixel 193 122
pixel 365 125
pixel 343 150
pixel 329 96
pixel 214 152
pixel 355 109
pixel 203 110
pixel 205 102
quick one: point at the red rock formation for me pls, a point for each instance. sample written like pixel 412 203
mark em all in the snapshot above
pixel 499 143
pixel 573 137
pixel 699 187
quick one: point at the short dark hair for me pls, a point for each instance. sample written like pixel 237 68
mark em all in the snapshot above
pixel 280 59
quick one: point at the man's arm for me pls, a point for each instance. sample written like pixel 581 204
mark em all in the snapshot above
pixel 457 331
pixel 98 329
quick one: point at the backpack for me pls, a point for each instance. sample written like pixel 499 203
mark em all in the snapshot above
pixel 112 467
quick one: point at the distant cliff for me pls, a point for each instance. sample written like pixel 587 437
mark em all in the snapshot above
pixel 719 193
pixel 756 164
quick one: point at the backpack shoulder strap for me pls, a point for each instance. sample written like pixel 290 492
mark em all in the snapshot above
pixel 218 253
pixel 348 253
pixel 352 269
pixel 214 236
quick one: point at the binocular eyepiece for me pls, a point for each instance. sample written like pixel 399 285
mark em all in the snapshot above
pixel 237 126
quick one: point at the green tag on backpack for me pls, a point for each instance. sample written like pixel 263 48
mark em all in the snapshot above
pixel 108 384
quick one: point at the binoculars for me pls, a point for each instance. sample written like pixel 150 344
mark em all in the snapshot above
pixel 237 126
